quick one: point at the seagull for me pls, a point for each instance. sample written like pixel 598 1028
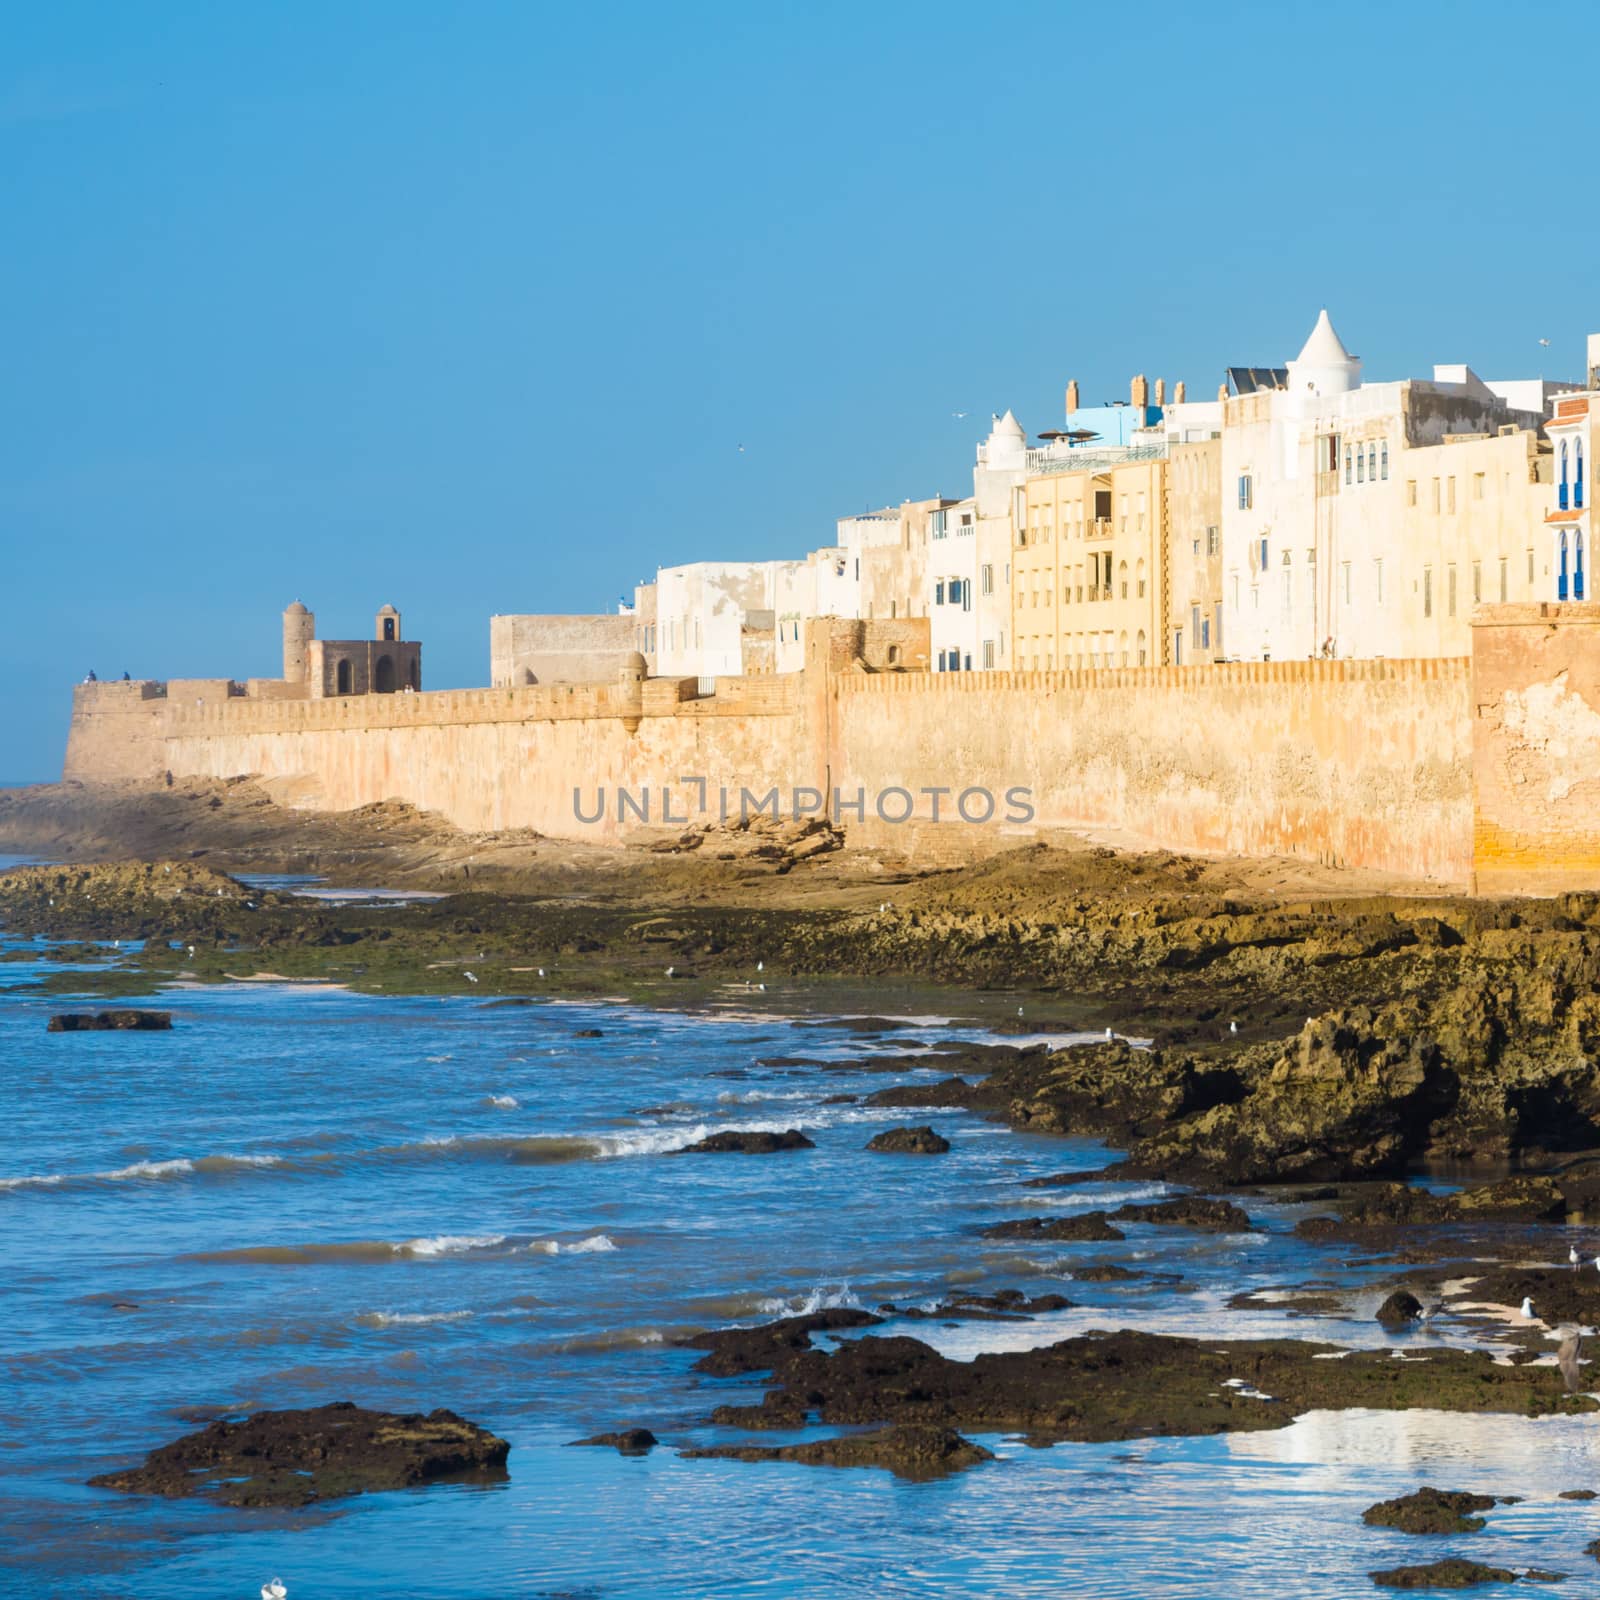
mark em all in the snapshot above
pixel 881 909
pixel 471 977
pixel 541 972
pixel 670 971
pixel 1545 343
pixel 761 966
pixel 1110 1034
pixel 276 1590
pixel 958 415
pixel 1527 1307
pixel 1573 1257
pixel 741 449
pixel 191 950
pixel 1233 1027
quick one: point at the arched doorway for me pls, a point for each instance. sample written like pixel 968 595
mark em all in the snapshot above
pixel 342 678
pixel 383 677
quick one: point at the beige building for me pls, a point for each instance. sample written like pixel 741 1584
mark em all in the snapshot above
pixel 1086 581
pixel 1192 568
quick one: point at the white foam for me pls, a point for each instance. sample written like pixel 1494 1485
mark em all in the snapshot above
pixel 504 1102
pixel 825 1297
pixel 594 1243
pixel 150 1169
pixel 444 1244
pixel 390 1319
pixel 33 1180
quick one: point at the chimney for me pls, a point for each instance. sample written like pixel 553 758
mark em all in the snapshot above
pixel 1177 393
pixel 1139 391
pixel 1072 395
pixel 1222 390
pixel 1161 391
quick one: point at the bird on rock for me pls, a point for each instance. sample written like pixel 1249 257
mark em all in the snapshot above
pixel 1527 1307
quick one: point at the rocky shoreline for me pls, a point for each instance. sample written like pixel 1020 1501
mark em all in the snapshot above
pixel 1322 1049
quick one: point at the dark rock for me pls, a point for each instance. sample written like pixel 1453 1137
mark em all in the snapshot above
pixel 840 1099
pixel 921 1141
pixel 628 1442
pixel 1004 1305
pixel 1084 1225
pixel 1576 1494
pixel 1429 1510
pixel 748 1142
pixel 737 1350
pixel 1100 1386
pixel 947 1092
pixel 1400 1308
pixel 1188 1211
pixel 291 1458
pixel 1451 1574
pixel 116 1021
pixel 587 1033
pixel 1101 1272
pixel 1540 1575
pixel 908 1451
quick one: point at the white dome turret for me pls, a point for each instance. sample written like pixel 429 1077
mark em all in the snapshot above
pixel 1324 366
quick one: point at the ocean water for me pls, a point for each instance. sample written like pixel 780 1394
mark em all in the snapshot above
pixel 301 1195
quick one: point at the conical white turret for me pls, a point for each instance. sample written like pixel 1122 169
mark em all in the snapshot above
pixel 1324 366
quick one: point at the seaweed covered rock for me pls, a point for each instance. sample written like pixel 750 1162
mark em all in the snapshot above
pixel 627 1441
pixel 1084 1225
pixel 910 1451
pixel 291 1458
pixel 1429 1510
pixel 747 1142
pixel 1188 1211
pixel 921 1141
pixel 1401 1308
pixel 123 1020
pixel 1453 1573
pixel 737 1350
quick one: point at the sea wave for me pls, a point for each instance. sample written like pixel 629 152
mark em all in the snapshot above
pixel 409 1319
pixel 150 1171
pixel 824 1297
pixel 502 1102
pixel 449 1244
pixel 595 1243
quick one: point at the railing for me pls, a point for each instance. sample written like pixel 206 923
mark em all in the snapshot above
pixel 1066 458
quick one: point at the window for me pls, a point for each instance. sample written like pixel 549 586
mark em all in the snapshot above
pixel 1378 578
pixel 1530 569
pixel 1194 624
pixel 1361 465
pixel 1372 463
pixel 936 524
pixel 1477 484
pixel 986 582
pixel 966 594
pixel 1139 576
pixel 1347 583
pixel 1246 492
pixel 1577 571
pixel 1411 491
pixel 1435 494
pixel 1477 582
pixel 988 655
pixel 1263 555
pixel 1288 584
pixel 1450 494
pixel 1205 633
pixel 1347 466
pixel 1427 591
pixel 1577 479
pixel 1502 580
pixel 1139 642
pixel 1450 589
pixel 1122 579
pixel 1383 459
pixel 938 593
pixel 1561 582
pixel 1561 493
pixel 1212 541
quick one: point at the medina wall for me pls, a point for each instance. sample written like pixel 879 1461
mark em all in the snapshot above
pixel 1536 748
pixel 1366 764
pixel 1351 763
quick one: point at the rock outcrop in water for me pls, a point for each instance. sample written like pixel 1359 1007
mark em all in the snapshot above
pixel 291 1458
pixel 921 1141
pixel 1430 1510
pixel 747 1142
pixel 1453 1573
pixel 626 1442
pixel 909 1451
pixel 121 1021
pixel 1097 1387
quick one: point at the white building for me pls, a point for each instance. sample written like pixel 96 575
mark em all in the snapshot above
pixel 1358 517
pixel 710 616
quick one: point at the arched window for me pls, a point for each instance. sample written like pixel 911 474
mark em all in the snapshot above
pixel 1122 577
pixel 1361 466
pixel 1140 645
pixel 1561 498
pixel 1561 581
pixel 1372 463
pixel 1122 644
pixel 1384 459
pixel 1139 574
pixel 342 678
pixel 1577 566
pixel 1577 476
pixel 383 678
pixel 388 628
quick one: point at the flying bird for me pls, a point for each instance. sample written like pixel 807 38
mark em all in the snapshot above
pixel 958 415
pixel 1568 1356
pixel 1545 342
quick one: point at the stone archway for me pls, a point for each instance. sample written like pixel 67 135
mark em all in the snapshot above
pixel 383 676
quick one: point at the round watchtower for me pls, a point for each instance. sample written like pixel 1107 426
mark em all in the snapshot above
pixel 299 629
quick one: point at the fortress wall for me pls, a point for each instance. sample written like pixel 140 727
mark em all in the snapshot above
pixel 1536 748
pixel 1359 763
pixel 1365 763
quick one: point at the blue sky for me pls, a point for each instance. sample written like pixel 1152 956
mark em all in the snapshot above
pixel 470 307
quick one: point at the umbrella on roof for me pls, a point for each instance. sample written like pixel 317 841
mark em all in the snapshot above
pixel 1074 435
